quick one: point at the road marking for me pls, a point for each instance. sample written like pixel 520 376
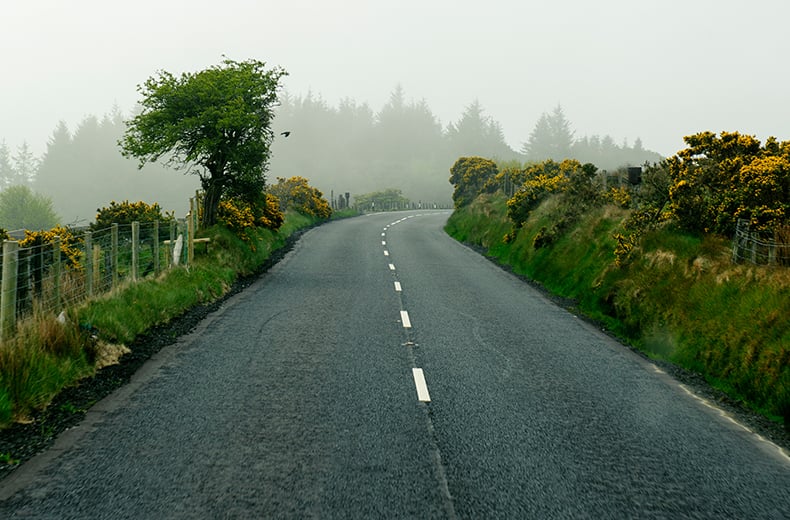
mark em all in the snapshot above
pixel 731 419
pixel 397 287
pixel 383 234
pixel 386 253
pixel 422 388
pixel 392 267
pixel 383 242
pixel 404 318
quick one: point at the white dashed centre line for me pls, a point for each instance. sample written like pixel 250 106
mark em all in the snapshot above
pixel 404 318
pixel 392 267
pixel 386 253
pixel 422 388
pixel 383 242
pixel 397 287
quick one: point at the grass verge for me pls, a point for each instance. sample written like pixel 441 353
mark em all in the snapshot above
pixel 46 356
pixel 678 298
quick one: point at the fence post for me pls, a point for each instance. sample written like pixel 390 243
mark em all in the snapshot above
pixel 8 291
pixel 191 232
pixel 88 237
pixel 114 253
pixel 56 267
pixel 198 207
pixel 156 248
pixel 172 247
pixel 97 267
pixel 135 250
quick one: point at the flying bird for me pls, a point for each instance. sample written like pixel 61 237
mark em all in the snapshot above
pixel 285 134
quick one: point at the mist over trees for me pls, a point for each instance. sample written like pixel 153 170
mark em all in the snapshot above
pixel 404 146
pixel 349 147
pixel 84 171
pixel 552 138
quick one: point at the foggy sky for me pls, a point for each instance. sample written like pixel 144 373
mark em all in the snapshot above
pixel 654 69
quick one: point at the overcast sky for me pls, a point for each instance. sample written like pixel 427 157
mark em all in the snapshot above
pixel 654 69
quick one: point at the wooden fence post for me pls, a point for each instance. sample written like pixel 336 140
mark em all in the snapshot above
pixel 88 237
pixel 191 233
pixel 114 253
pixel 56 268
pixel 135 250
pixel 8 291
pixel 97 267
pixel 170 260
pixel 198 208
pixel 157 267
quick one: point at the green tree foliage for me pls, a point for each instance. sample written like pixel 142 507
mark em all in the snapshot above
pixel 719 179
pixel 215 123
pixel 383 200
pixel 21 208
pixel 469 175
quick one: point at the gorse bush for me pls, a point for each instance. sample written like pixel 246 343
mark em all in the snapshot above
pixel 124 213
pixel 570 180
pixel 297 194
pixel 240 216
pixel 127 212
pixel 42 243
pixel 469 175
pixel 720 179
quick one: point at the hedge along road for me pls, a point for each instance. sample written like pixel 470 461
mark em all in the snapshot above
pixel 383 370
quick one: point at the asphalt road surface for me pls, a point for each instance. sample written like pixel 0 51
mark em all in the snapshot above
pixel 382 370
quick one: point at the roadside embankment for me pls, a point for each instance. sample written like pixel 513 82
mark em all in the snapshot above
pixel 679 298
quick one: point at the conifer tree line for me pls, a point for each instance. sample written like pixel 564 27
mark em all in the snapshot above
pixel 404 146
pixel 344 148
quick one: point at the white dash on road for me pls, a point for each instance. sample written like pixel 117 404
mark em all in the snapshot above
pixel 404 318
pixel 422 388
pixel 397 287
pixel 383 234
pixel 392 267
pixel 386 253
pixel 383 242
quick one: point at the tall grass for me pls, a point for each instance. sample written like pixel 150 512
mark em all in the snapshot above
pixel 679 297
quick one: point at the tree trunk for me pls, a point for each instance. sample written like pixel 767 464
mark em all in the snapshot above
pixel 213 192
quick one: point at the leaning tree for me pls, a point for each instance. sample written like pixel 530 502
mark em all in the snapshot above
pixel 215 123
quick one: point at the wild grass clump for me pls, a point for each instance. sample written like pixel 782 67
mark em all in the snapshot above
pixel 677 297
pixel 44 355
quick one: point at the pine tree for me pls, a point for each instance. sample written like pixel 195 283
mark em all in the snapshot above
pixel 25 166
pixel 7 173
pixel 552 138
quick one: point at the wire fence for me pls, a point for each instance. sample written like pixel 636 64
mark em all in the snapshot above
pixel 58 272
pixel 748 246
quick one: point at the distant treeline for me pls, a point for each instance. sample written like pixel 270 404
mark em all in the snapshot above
pixel 404 146
pixel 83 170
pixel 347 148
